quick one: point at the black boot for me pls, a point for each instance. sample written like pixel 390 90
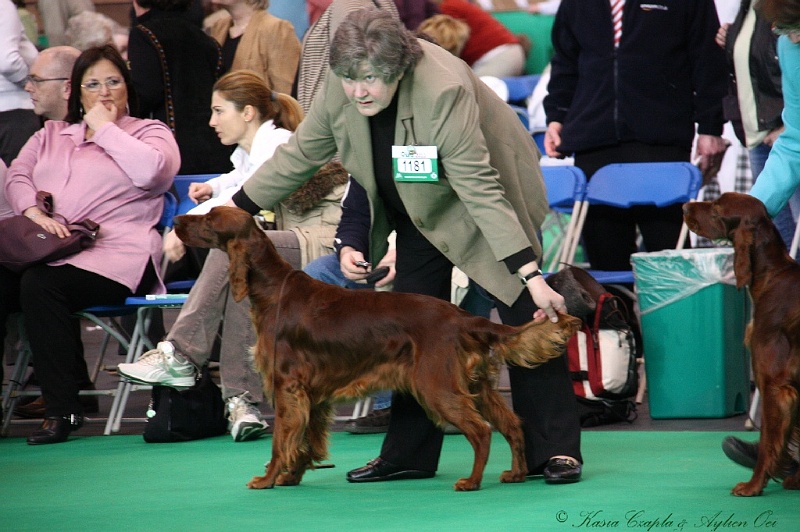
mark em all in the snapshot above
pixel 55 429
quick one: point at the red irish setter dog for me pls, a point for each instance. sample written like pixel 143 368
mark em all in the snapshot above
pixel 319 343
pixel 762 263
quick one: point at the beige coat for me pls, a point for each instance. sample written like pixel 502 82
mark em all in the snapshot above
pixel 269 46
pixel 488 204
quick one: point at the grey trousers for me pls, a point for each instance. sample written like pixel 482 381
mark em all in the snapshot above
pixel 210 304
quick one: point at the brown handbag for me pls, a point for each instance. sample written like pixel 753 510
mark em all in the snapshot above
pixel 24 243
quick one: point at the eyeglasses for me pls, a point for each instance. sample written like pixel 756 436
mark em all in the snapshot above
pixel 35 81
pixel 111 84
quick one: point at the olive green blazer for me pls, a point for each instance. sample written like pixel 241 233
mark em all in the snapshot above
pixel 490 200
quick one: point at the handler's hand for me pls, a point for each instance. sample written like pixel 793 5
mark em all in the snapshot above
pixel 389 261
pixel 548 300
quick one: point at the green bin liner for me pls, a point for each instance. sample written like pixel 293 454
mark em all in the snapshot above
pixel 693 322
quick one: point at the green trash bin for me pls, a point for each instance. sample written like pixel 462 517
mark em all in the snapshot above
pixel 693 321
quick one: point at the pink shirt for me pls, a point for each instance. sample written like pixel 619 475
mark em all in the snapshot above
pixel 117 178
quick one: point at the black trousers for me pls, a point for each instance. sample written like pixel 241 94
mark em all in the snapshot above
pixel 48 296
pixel 609 233
pixel 542 397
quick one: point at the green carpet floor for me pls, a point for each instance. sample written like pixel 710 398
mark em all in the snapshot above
pixel 632 480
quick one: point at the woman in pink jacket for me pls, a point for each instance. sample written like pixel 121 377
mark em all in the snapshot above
pixel 103 165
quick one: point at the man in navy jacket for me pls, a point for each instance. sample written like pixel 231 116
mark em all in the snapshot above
pixel 637 101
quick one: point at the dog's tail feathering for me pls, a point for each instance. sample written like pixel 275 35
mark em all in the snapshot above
pixel 536 343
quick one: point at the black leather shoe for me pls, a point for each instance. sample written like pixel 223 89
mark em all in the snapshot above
pixel 55 429
pixel 745 454
pixel 562 471
pixel 378 470
pixel 741 452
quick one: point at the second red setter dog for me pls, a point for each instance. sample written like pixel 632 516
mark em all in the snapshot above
pixel 762 263
pixel 319 343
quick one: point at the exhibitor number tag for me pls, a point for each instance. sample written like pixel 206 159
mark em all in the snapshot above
pixel 415 164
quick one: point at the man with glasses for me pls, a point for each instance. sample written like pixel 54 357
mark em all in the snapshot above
pixel 48 82
pixel 17 120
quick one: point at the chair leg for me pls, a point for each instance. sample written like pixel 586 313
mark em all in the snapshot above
pixel 136 347
pixel 754 416
pixel 15 382
pixel 362 408
pixel 642 382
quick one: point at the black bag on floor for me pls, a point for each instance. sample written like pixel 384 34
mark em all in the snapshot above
pixel 183 415
pixel 594 412
pixel 602 356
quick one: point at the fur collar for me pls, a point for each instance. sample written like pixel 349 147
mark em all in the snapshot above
pixel 317 188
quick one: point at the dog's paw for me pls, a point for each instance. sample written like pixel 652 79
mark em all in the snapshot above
pixel 792 483
pixel 287 479
pixel 260 483
pixel 748 489
pixel 465 484
pixel 508 477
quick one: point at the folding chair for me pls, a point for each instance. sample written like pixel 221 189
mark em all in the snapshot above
pixel 106 317
pixel 626 185
pixel 538 138
pixel 566 191
pixel 182 182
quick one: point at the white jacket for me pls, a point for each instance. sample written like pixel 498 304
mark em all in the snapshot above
pixel 268 137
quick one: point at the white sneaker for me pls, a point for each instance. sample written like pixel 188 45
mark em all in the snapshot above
pixel 245 418
pixel 161 367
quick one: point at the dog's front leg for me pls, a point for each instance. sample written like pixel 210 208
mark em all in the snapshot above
pixel 278 460
pixel 295 412
pixel 774 430
pixel 275 464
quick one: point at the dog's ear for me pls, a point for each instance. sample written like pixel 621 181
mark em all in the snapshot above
pixel 743 242
pixel 238 269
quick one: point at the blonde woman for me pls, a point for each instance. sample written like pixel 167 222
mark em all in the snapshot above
pixel 448 32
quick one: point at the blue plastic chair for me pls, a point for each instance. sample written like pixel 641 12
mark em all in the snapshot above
pixel 625 185
pixel 521 87
pixel 566 191
pixel 538 138
pixel 182 183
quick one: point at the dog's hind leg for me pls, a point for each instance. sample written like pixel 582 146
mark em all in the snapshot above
pixel 492 406
pixel 459 409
